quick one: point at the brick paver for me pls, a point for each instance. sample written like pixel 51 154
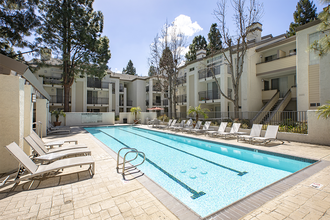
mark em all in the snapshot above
pixel 75 195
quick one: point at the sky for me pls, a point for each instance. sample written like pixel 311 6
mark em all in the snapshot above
pixel 131 25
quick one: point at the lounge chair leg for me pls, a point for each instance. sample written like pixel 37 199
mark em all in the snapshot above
pixel 31 184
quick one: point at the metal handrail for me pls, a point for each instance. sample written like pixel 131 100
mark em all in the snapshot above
pixel 132 150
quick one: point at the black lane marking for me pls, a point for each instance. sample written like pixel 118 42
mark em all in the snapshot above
pixel 239 173
pixel 194 192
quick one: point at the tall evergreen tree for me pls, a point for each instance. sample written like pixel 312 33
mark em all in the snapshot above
pixel 198 43
pixel 72 29
pixel 152 71
pixel 17 20
pixel 214 37
pixel 322 46
pixel 305 12
pixel 130 69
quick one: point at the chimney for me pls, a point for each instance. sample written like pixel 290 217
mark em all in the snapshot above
pixel 200 54
pixel 254 32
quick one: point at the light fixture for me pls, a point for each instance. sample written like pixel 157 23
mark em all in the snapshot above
pixel 33 97
pixel 262 80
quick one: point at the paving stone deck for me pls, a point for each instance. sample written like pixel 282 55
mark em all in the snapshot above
pixel 74 194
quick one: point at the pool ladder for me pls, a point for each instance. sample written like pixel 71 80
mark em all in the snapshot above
pixel 125 168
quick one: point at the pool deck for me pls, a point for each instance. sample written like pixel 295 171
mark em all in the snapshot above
pixel 74 194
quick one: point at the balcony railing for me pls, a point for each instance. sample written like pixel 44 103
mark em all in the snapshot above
pixel 98 101
pixel 147 88
pixel 129 103
pixel 208 95
pixel 165 102
pixel 121 88
pixel 156 103
pixel 205 73
pixel 181 98
pixel 147 102
pixel 287 63
pixel 182 80
pixel 156 88
pixel 52 81
pixel 58 99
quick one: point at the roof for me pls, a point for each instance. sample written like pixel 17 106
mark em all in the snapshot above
pixel 7 65
pixel 127 77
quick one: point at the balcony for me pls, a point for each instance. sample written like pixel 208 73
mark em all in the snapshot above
pixel 58 99
pixel 208 95
pixel 52 81
pixel 147 102
pixel 182 80
pixel 156 103
pixel 205 73
pixel 156 88
pixel 121 88
pixel 147 88
pixel 97 101
pixel 129 103
pixel 165 102
pixel 181 98
pixel 283 64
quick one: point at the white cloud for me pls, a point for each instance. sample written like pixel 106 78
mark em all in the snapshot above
pixel 116 70
pixel 184 24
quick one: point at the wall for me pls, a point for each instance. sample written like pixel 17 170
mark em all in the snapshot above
pixel 130 117
pixel 12 119
pixel 86 119
pixel 28 116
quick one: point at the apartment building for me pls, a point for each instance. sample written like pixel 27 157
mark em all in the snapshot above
pixel 279 74
pixel 114 93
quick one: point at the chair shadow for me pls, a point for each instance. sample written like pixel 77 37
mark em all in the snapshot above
pixel 49 181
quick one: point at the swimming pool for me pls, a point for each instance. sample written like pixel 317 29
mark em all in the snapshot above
pixel 205 176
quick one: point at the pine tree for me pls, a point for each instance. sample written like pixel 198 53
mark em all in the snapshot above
pixel 198 43
pixel 130 69
pixel 152 71
pixel 72 29
pixel 17 20
pixel 305 12
pixel 214 37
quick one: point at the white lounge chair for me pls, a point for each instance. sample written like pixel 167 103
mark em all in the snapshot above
pixel 49 157
pixel 204 129
pixel 270 135
pixel 52 143
pixel 172 125
pixel 168 124
pixel 233 130
pixel 181 125
pixel 53 150
pixel 255 132
pixel 187 125
pixel 197 126
pixel 222 129
pixel 30 170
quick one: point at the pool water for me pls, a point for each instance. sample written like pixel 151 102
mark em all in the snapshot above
pixel 206 176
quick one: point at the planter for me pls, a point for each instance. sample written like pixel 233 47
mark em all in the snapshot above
pixel 57 123
pixel 136 121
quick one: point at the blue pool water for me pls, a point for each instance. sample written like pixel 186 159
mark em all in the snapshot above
pixel 206 176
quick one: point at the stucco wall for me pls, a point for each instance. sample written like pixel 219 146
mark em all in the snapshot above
pixel 11 113
pixel 86 119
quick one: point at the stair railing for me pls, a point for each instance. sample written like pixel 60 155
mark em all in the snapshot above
pixel 266 108
pixel 277 111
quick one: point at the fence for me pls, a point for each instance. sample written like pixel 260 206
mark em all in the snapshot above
pixel 292 121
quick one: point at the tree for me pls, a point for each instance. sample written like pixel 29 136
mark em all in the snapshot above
pixel 152 71
pixel 322 46
pixel 198 111
pixel 72 29
pixel 198 43
pixel 305 12
pixel 130 69
pixel 17 20
pixel 324 111
pixel 170 43
pixel 235 47
pixel 215 43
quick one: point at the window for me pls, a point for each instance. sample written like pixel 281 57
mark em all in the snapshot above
pixel 192 69
pixel 270 58
pixel 314 104
pixel 292 52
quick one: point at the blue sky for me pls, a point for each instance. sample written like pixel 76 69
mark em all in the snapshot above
pixel 131 25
